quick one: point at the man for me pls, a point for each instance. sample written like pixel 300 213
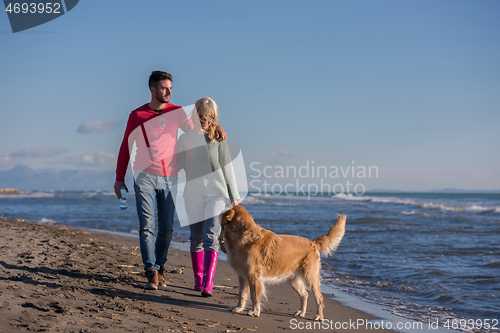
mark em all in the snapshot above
pixel 153 128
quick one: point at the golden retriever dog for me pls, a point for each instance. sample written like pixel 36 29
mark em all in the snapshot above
pixel 259 256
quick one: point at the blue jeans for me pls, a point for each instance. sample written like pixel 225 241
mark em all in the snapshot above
pixel 155 197
pixel 204 215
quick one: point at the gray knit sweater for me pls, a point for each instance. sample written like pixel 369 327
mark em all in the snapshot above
pixel 208 167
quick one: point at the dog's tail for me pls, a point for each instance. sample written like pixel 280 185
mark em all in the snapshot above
pixel 328 244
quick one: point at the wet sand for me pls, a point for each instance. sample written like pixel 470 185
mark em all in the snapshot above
pixel 61 279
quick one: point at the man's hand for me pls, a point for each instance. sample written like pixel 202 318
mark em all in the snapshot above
pixel 118 187
pixel 220 134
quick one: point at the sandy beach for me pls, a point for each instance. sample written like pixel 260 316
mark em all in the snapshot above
pixel 62 279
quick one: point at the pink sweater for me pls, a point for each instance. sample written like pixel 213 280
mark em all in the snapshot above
pixel 156 145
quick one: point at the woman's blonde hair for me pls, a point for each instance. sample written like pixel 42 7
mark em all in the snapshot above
pixel 206 107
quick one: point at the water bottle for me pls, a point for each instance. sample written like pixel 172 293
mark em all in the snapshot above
pixel 123 200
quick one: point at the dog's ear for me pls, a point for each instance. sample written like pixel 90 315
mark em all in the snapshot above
pixel 230 214
pixel 227 217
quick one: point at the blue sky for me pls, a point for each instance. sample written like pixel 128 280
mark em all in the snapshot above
pixel 411 87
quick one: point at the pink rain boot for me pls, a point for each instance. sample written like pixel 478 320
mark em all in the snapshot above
pixel 210 265
pixel 197 262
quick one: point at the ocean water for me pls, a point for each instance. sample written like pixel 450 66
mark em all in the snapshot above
pixel 423 256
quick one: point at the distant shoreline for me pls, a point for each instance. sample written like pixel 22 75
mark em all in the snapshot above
pixel 9 191
pixel 291 193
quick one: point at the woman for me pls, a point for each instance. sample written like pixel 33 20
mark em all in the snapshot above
pixel 210 185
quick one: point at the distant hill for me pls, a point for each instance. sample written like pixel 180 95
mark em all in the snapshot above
pixel 444 190
pixel 25 178
pixel 458 190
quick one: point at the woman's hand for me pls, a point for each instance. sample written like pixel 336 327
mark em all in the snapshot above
pixel 220 134
pixel 234 203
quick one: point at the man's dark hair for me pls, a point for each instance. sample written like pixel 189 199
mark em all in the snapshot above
pixel 157 76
